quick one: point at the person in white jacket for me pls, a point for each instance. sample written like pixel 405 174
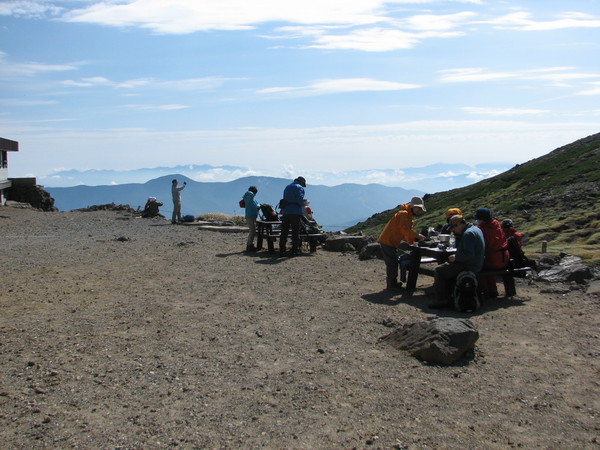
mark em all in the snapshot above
pixel 176 191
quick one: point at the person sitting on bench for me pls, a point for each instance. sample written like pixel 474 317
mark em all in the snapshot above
pixel 468 257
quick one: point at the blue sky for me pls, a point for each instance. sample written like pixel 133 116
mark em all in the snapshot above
pixel 283 87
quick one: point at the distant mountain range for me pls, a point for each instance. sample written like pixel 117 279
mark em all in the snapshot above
pixel 335 207
pixel 431 178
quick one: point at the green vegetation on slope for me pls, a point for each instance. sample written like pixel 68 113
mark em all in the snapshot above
pixel 554 198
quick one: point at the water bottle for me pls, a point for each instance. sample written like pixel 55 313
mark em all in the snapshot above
pixel 452 241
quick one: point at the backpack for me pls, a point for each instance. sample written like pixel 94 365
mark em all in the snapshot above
pixel 517 255
pixel 268 213
pixel 465 292
pixel 308 227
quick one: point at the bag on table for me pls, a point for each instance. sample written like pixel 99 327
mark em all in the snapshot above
pixel 268 213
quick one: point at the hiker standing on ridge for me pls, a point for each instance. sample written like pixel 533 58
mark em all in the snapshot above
pixel 292 208
pixel 399 228
pixel 176 191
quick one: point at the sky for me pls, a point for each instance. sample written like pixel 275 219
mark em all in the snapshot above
pixel 290 87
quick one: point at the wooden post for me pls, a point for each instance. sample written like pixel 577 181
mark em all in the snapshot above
pixel 544 246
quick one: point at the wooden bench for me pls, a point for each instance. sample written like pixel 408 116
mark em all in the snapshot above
pixel 508 277
pixel 271 232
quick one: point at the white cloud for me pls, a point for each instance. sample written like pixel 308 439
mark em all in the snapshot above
pixel 595 90
pixel 156 107
pixel 183 16
pixel 558 76
pixel 336 86
pixel 32 9
pixel 27 69
pixel 522 21
pixel 502 111
pixel 183 85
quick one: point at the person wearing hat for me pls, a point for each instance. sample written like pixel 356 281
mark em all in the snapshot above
pixel 151 209
pixel 510 230
pixel 398 229
pixel 293 199
pixel 496 251
pixel 469 256
pixel 451 212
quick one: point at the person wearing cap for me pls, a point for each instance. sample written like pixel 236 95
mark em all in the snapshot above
pixel 151 209
pixel 496 251
pixel 398 229
pixel 469 256
pixel 451 212
pixel 293 196
pixel 510 230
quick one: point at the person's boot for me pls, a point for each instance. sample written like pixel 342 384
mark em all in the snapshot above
pixel 250 248
pixel 394 285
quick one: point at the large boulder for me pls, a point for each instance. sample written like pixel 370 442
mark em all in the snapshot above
pixel 570 268
pixel 370 251
pixel 441 340
pixel 340 243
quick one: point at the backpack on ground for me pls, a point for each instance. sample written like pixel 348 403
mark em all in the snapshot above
pixel 309 227
pixel 268 213
pixel 517 255
pixel 465 292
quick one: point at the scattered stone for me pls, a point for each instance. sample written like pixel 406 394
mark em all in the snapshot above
pixel 593 288
pixel 370 251
pixel 123 239
pixel 338 243
pixel 570 268
pixel 440 340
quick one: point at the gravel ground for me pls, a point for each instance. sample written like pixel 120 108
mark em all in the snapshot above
pixel 118 332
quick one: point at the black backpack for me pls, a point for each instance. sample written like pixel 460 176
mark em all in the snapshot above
pixel 517 255
pixel 268 213
pixel 465 292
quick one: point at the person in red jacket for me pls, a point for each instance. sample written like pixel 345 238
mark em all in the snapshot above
pixel 496 252
pixel 399 228
pixel 510 230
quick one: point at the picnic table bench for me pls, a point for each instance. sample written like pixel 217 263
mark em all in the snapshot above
pixel 421 255
pixel 270 231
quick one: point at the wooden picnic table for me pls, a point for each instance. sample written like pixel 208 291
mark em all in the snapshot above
pixel 271 232
pixel 421 254
pixel 440 255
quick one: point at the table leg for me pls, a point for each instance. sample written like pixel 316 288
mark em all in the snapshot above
pixel 413 270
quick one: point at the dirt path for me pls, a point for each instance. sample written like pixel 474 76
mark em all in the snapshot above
pixel 119 332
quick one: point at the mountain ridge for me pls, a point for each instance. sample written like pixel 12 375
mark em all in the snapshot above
pixel 553 198
pixel 336 207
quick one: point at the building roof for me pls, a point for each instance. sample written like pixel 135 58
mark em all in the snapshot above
pixel 6 145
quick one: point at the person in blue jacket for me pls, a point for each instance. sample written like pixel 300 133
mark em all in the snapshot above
pixel 293 197
pixel 251 213
pixel 469 256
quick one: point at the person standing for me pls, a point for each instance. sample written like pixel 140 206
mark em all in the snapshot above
pixel 293 199
pixel 399 228
pixel 176 191
pixel 468 257
pixel 251 213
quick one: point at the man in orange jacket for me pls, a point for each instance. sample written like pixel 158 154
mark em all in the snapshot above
pixel 398 229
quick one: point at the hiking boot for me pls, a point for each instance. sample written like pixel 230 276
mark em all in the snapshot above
pixel 394 286
pixel 251 248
